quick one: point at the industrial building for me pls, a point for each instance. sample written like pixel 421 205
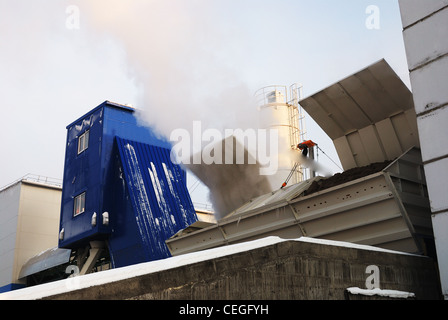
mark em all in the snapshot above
pixel 29 218
pixel 123 201
pixel 140 212
pixel 120 189
pixel 384 203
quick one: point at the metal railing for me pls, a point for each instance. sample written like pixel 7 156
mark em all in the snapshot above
pixel 55 182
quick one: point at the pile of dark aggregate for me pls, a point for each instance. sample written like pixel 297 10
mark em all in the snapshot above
pixel 346 176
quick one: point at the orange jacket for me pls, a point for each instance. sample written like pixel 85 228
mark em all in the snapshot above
pixel 308 144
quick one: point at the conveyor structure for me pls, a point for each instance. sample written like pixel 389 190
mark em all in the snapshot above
pixel 371 119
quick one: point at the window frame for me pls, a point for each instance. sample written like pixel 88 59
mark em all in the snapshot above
pixel 79 201
pixel 83 141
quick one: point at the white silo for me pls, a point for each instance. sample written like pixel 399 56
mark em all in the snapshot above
pixel 277 112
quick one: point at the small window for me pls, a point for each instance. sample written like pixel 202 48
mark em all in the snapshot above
pixel 79 204
pixel 83 142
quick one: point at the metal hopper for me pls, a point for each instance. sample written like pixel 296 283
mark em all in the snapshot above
pixel 380 199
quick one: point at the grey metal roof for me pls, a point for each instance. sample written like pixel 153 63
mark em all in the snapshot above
pixel 45 260
pixel 273 198
pixel 369 116
pixel 389 209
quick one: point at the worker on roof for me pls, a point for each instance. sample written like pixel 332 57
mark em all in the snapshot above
pixel 304 146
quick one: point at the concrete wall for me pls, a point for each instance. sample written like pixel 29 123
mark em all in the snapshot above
pixel 29 223
pixel 285 270
pixel 425 33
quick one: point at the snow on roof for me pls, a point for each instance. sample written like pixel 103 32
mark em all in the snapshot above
pixel 381 292
pixel 112 275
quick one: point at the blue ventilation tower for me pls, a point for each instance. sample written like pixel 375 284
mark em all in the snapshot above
pixel 121 188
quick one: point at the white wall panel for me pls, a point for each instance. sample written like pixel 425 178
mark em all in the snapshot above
pixel 437 176
pixel 427 40
pixel 414 10
pixel 433 130
pixel 430 86
pixel 440 223
pixel 425 35
pixel 9 208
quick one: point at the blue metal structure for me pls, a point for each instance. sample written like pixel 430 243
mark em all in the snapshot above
pixel 120 186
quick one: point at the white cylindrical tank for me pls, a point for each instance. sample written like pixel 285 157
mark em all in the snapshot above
pixel 275 113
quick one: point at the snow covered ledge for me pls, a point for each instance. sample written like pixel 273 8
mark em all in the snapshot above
pixel 381 292
pixel 113 277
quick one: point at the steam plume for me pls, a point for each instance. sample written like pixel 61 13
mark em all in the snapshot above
pixel 169 49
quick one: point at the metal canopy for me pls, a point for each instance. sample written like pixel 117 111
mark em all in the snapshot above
pixel 45 260
pixel 278 197
pixel 369 116
pixel 388 209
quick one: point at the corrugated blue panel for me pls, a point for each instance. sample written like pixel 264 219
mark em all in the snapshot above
pixel 158 195
pixel 143 193
pixel 92 171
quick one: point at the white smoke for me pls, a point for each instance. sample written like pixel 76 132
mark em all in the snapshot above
pixel 182 63
pixel 172 49
pixel 181 59
pixel 310 163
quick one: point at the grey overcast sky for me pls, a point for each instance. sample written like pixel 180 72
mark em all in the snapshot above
pixel 177 60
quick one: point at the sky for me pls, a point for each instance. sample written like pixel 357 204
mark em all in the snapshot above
pixel 178 61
